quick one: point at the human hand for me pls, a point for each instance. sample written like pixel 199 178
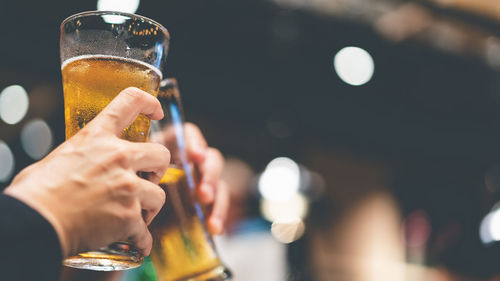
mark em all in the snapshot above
pixel 88 187
pixel 209 162
pixel 212 192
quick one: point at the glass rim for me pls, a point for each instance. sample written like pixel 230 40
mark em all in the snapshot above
pixel 130 15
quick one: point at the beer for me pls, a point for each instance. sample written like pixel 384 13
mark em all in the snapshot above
pixel 101 57
pixel 181 246
pixel 91 82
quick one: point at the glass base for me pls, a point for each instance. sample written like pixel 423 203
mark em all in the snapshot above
pixel 219 273
pixel 117 256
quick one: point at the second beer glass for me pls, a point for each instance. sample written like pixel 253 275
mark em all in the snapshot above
pixel 183 249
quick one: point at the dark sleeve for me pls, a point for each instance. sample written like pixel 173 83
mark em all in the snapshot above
pixel 29 246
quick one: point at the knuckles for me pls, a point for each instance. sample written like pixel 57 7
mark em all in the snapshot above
pixel 124 187
pixel 119 155
pixel 128 185
pixel 131 214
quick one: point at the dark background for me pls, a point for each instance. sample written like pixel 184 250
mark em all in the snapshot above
pixel 430 116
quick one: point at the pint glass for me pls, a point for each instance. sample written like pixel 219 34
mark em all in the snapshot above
pixel 183 249
pixel 103 53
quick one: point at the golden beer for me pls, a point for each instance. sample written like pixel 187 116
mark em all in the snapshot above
pixel 102 53
pixel 181 247
pixel 91 82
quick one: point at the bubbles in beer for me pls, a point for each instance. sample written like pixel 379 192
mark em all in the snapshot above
pixel 91 82
pixel 181 246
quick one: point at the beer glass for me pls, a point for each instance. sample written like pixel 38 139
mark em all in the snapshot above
pixel 183 249
pixel 103 53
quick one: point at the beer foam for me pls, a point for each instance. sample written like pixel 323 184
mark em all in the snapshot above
pixel 73 59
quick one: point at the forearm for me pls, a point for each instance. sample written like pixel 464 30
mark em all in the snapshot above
pixel 29 244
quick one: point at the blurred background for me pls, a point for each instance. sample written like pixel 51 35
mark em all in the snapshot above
pixel 362 136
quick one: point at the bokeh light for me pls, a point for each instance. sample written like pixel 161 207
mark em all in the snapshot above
pixel 285 211
pixel 354 66
pixel 125 6
pixel 288 232
pixel 7 160
pixel 484 230
pixel 495 226
pixel 36 138
pixel 489 230
pixel 14 103
pixel 280 180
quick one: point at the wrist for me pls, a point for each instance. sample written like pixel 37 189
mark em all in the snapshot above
pixel 16 192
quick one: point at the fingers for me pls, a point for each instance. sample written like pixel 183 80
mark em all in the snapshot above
pixel 149 157
pixel 125 108
pixel 211 170
pixel 196 143
pixel 151 198
pixel 141 238
pixel 217 217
